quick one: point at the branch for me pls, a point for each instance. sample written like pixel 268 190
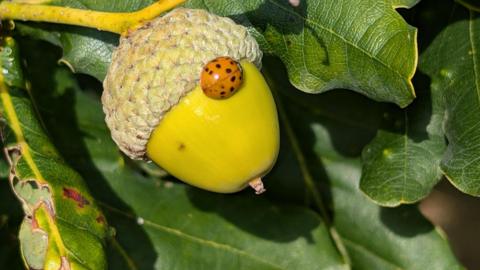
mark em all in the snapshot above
pixel 119 22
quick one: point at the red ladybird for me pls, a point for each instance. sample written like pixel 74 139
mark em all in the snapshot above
pixel 221 77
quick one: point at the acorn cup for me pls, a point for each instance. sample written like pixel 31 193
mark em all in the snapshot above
pixel 184 90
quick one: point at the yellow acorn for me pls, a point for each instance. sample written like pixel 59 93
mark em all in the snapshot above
pixel 220 138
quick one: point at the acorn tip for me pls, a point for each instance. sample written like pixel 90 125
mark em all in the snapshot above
pixel 257 185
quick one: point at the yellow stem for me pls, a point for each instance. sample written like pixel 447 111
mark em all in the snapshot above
pixel 107 21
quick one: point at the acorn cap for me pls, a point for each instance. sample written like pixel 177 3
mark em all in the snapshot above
pixel 155 65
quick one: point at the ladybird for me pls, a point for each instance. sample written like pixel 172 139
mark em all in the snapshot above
pixel 221 77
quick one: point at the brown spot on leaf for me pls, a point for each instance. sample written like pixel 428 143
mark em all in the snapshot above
pixel 72 194
pixel 101 219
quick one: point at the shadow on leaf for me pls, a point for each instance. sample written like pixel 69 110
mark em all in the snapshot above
pixel 277 14
pixel 257 216
pixel 395 219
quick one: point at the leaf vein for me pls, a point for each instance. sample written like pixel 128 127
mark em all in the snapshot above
pixel 474 54
pixel 206 242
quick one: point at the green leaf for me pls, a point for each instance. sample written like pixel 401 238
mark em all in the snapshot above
pixel 331 136
pixel 364 46
pixel 402 163
pixel 384 238
pixel 180 227
pixel 62 224
pixel 453 62
pixel 234 232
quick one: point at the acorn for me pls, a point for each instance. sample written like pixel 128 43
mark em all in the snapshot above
pixel 184 90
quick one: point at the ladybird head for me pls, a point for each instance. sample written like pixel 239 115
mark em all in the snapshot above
pixel 221 77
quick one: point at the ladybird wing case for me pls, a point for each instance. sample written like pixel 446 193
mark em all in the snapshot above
pixel 221 78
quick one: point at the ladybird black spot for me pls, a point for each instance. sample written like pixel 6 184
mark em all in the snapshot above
pixel 222 93
pixel 223 86
pixel 211 72
pixel 240 78
pixel 228 70
pixel 231 89
pixel 218 65
pixel 233 78
pixel 206 69
pixel 232 63
pixel 215 60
